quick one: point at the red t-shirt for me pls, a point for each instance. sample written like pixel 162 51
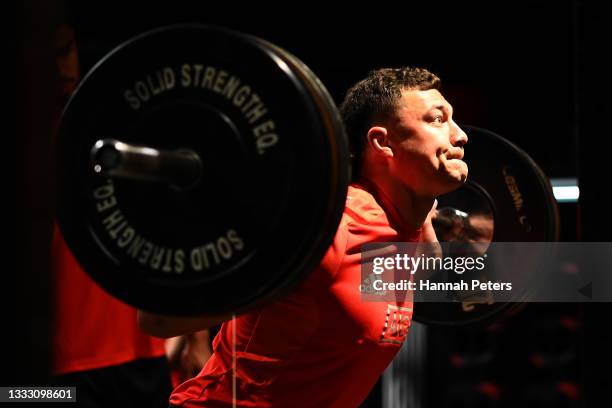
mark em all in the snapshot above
pixel 321 346
pixel 92 328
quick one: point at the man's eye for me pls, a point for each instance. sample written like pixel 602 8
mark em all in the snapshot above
pixel 438 119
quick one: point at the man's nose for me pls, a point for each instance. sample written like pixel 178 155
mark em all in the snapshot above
pixel 458 137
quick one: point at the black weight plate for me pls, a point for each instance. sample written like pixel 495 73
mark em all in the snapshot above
pixel 274 180
pixel 338 182
pixel 507 185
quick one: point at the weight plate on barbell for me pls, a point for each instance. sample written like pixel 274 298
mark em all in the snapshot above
pixel 275 171
pixel 508 199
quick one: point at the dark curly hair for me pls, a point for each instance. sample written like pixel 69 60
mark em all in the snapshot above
pixel 375 97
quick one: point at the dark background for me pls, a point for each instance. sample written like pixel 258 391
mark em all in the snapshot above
pixel 531 71
pixel 508 68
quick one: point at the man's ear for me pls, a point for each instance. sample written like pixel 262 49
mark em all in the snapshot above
pixel 379 142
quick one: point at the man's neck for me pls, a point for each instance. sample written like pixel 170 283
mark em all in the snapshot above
pixel 402 204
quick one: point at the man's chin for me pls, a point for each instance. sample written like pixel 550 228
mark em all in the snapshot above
pixel 460 173
pixel 455 168
pixel 455 180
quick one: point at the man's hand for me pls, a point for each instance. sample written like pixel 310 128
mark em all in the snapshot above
pixel 431 247
pixel 429 233
pixel 188 353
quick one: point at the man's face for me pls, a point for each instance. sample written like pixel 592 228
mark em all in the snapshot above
pixel 427 144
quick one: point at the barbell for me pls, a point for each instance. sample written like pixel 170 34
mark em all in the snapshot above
pixel 203 171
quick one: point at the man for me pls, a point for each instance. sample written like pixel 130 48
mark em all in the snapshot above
pixel 321 345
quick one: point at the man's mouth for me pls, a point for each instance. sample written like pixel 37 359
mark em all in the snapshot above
pixel 456 155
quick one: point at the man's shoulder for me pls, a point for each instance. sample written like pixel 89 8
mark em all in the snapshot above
pixel 361 208
pixel 361 211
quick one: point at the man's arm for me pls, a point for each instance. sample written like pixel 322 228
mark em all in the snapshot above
pixel 187 354
pixel 429 233
pixel 170 326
